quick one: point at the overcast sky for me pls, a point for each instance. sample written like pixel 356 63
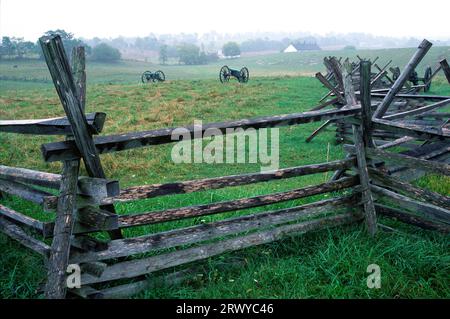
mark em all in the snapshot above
pixel 112 18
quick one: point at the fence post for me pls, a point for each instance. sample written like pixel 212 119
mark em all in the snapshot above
pixel 65 85
pixel 55 287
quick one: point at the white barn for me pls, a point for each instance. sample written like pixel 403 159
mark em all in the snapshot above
pixel 290 49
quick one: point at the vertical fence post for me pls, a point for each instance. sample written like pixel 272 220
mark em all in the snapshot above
pixel 59 256
pixel 365 98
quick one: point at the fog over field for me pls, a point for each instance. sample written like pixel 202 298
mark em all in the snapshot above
pixel 203 21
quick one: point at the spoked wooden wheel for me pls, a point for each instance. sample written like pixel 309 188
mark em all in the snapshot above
pixel 146 77
pixel 224 74
pixel 244 75
pixel 427 79
pixel 160 76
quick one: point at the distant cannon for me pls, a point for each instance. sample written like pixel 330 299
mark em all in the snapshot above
pixel 226 73
pixel 149 76
pixel 414 77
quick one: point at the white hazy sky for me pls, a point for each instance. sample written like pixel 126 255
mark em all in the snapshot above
pixel 111 18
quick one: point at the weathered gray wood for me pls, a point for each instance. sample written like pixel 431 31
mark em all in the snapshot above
pixel 93 268
pixel 409 161
pixel 79 73
pixel 56 278
pixel 203 232
pixel 88 243
pixel 60 70
pixel 366 103
pixel 382 179
pixel 244 203
pixel 24 220
pixel 167 279
pixel 369 208
pixel 15 232
pixel 87 292
pixel 25 192
pixel 411 219
pixel 318 130
pixel 397 142
pixel 419 131
pixel 148 191
pixel 329 86
pixel 96 218
pixel 417 111
pixel 424 209
pixel 349 91
pixel 89 186
pixel 106 144
pixel 398 85
pixel 445 68
pixel 135 268
pixel 54 126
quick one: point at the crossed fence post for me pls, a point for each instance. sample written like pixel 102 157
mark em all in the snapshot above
pixel 71 92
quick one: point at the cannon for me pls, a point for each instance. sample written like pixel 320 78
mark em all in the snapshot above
pixel 226 73
pixel 149 76
pixel 414 77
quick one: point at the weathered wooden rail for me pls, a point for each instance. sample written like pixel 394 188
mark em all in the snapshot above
pixel 363 188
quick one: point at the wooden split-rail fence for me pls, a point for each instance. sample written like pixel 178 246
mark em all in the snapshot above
pixel 362 188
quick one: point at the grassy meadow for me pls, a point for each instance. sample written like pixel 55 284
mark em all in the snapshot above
pixel 327 264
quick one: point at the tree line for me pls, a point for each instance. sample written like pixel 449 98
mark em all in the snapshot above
pixel 12 48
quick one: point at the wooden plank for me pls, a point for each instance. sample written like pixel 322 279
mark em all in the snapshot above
pixel 149 191
pixel 53 126
pixel 445 68
pixel 168 279
pixel 422 50
pixel 244 203
pixel 409 161
pixel 135 268
pixel 419 131
pixel 24 220
pixel 114 143
pixel 428 210
pixel 369 208
pixel 25 192
pixel 55 287
pixel 96 218
pixel 411 219
pixel 385 180
pixel 213 230
pixel 396 142
pixel 329 86
pixel 89 186
pixel 417 111
pixel 318 130
pixel 15 232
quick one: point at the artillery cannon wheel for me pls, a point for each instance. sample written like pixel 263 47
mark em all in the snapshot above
pixel 146 76
pixel 224 74
pixel 427 79
pixel 160 76
pixel 244 75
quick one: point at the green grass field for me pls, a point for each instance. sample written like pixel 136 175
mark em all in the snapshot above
pixel 326 264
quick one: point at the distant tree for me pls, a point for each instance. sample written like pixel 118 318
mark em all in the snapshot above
pixel 231 49
pixel 349 48
pixel 105 53
pixel 68 39
pixel 190 54
pixel 7 47
pixel 163 54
